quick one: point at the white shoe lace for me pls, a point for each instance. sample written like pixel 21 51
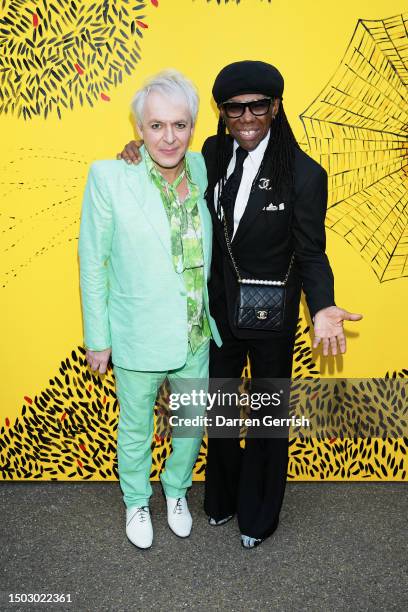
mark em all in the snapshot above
pixel 141 513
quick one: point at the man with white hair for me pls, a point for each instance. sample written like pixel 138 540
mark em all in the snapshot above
pixel 145 250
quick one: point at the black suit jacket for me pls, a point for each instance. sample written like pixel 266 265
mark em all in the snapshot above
pixel 265 241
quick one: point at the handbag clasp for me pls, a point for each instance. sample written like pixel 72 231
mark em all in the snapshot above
pixel 262 314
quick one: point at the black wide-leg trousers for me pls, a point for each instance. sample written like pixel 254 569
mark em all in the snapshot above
pixel 249 482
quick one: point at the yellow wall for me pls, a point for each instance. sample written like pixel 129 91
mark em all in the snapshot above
pixel 44 163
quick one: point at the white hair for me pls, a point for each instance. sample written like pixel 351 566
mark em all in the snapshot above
pixel 169 82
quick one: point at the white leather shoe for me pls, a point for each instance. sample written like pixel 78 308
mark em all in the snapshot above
pixel 178 516
pixel 139 527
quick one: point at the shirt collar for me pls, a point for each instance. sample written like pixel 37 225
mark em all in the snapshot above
pixel 256 156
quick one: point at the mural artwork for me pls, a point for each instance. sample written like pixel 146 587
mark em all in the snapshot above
pixel 57 56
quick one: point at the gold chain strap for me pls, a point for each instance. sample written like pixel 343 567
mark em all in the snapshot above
pixel 248 280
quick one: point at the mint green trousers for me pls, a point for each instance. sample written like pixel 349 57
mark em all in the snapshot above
pixel 137 392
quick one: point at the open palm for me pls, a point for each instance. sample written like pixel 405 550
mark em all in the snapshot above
pixel 328 329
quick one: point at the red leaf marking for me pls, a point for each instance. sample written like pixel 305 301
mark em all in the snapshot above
pixel 155 2
pixel 63 416
pixel 78 69
pixel 82 447
pixel 35 20
pixel 7 422
pixel 332 440
pixel 105 97
pixel 141 24
pixel 314 395
pixel 90 388
pixel 104 399
pixel 28 399
pixel 79 463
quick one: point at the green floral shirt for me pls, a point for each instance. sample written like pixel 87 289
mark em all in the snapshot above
pixel 186 247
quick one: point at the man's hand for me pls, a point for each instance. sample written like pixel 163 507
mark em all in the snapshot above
pixel 98 360
pixel 130 153
pixel 328 328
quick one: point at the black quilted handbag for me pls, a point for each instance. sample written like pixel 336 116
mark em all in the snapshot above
pixel 261 303
pixel 260 306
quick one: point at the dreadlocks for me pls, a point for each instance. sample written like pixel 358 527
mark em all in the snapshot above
pixel 280 150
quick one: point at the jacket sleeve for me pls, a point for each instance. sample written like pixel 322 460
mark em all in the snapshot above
pixel 95 239
pixel 310 243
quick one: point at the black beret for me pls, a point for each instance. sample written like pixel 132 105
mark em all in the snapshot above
pixel 247 77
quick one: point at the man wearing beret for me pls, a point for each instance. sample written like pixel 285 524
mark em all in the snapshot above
pixel 268 202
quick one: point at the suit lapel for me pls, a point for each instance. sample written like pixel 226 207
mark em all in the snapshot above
pixel 218 225
pixel 151 205
pixel 256 202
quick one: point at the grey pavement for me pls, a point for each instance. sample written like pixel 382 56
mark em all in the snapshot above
pixel 339 546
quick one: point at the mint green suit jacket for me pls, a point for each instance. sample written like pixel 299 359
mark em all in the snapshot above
pixel 133 300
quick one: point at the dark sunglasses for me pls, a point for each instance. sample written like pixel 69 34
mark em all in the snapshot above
pixel 233 110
